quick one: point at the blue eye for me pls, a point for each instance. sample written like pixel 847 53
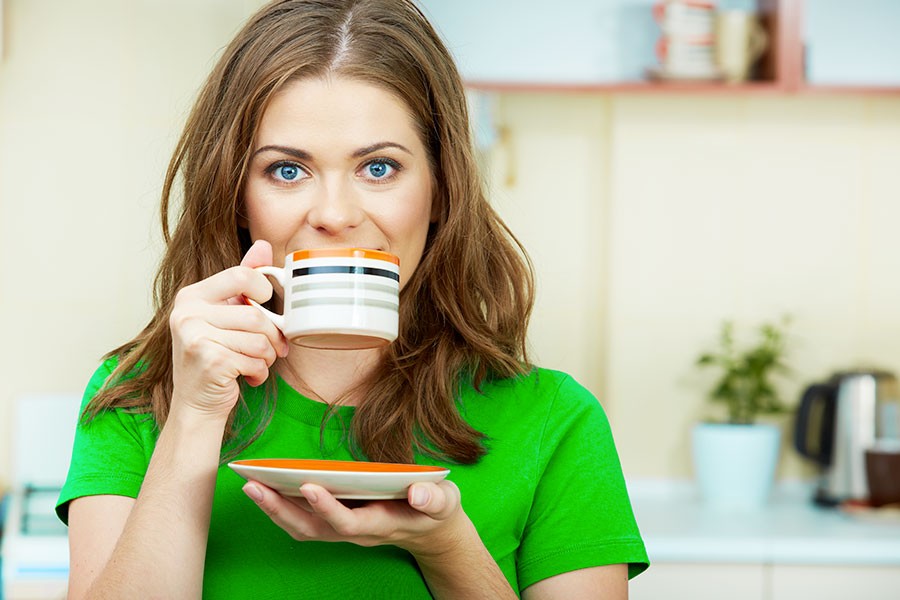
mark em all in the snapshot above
pixel 380 169
pixel 287 172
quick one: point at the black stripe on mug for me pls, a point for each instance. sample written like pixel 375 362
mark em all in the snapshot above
pixel 352 270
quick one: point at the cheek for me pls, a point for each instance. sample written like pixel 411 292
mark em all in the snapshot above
pixel 411 232
pixel 268 217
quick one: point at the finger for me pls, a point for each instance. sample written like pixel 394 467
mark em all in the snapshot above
pixel 254 345
pixel 330 509
pixel 259 255
pixel 284 512
pixel 215 351
pixel 254 370
pixel 248 319
pixel 230 283
pixel 300 502
pixel 437 500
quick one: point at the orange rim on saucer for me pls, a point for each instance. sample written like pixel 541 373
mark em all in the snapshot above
pixel 337 465
pixel 345 253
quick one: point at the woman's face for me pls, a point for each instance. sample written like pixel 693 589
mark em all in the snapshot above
pixel 339 163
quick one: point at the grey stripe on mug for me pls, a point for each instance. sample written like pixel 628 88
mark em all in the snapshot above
pixel 345 301
pixel 343 285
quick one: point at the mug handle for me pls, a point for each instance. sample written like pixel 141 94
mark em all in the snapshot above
pixel 278 274
pixel 759 41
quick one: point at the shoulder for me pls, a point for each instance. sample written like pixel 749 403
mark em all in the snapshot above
pixel 100 415
pixel 543 387
pixel 540 396
pixel 99 379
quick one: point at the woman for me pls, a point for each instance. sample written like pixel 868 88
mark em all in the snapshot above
pixel 335 123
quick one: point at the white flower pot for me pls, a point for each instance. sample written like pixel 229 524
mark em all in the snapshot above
pixel 735 464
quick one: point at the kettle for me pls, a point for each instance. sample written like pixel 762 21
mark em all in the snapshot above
pixel 837 421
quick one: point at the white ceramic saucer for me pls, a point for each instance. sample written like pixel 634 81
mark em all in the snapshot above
pixel 345 479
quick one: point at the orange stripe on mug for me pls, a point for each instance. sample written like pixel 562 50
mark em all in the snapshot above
pixel 345 253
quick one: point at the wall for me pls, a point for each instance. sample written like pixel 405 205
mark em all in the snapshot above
pixel 649 218
pixel 92 97
pixel 689 210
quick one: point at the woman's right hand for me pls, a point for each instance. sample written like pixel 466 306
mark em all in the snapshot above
pixel 216 337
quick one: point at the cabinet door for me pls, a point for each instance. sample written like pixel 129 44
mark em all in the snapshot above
pixel 674 581
pixel 834 583
pixel 549 43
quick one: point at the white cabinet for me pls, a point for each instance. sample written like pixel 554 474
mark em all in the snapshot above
pixel 699 582
pixel 695 581
pixel 790 582
pixel 552 43
pixel 789 550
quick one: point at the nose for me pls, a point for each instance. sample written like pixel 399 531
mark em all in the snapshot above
pixel 335 209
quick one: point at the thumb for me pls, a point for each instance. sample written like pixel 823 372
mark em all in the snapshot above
pixel 437 500
pixel 259 255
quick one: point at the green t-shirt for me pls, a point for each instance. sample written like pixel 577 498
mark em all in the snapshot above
pixel 549 496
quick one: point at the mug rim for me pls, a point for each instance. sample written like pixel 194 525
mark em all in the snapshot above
pixel 344 253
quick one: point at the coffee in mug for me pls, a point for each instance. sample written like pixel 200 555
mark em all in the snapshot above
pixel 883 472
pixel 338 298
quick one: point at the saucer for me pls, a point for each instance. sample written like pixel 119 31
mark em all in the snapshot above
pixel 352 480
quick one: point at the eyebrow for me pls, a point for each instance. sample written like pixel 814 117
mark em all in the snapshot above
pixel 304 155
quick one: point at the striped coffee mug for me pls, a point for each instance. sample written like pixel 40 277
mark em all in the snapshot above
pixel 338 298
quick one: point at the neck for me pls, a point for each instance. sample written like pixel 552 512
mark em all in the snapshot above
pixel 328 376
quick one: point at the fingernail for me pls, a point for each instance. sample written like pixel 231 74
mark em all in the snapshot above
pixel 253 492
pixel 309 494
pixel 420 496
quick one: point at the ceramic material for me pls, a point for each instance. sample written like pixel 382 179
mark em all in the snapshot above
pixel 686 46
pixel 345 479
pixel 740 41
pixel 838 420
pixel 338 298
pixel 735 464
pixel 883 473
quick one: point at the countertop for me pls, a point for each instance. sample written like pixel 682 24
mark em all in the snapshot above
pixel 678 528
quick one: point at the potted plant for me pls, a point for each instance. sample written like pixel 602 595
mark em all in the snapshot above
pixel 735 457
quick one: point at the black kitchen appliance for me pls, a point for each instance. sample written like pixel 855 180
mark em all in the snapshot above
pixel 838 420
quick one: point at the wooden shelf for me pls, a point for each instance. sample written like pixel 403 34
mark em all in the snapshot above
pixel 643 87
pixel 867 90
pixel 669 87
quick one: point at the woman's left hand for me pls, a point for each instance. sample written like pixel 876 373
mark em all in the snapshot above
pixel 429 522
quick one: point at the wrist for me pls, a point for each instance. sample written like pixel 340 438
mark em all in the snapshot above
pixel 458 565
pixel 193 417
pixel 194 430
pixel 448 543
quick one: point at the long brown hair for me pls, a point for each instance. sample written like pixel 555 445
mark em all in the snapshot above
pixel 465 310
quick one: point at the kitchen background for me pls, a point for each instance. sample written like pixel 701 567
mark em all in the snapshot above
pixel 651 216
